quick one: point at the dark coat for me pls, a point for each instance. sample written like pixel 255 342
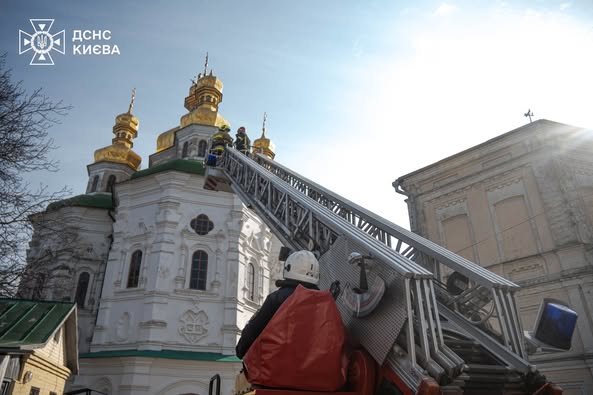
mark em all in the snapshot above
pixel 242 142
pixel 260 319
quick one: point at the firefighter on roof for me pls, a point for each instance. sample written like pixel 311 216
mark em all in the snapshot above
pixel 242 142
pixel 221 139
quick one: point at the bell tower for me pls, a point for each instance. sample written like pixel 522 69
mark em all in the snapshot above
pixel 205 94
pixel 264 145
pixel 116 162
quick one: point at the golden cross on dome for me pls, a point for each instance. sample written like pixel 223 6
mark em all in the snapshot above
pixel 132 101
pixel 263 127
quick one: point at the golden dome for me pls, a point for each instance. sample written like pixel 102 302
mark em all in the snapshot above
pixel 203 117
pixel 264 145
pixel 166 139
pixel 205 95
pixel 125 131
pixel 118 153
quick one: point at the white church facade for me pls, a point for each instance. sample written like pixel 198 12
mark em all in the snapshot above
pixel 164 271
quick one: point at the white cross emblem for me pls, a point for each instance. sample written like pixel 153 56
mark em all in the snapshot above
pixel 41 42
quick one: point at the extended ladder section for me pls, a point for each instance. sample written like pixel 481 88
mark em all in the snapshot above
pixel 444 292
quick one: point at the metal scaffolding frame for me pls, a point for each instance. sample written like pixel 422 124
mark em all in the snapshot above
pixel 305 215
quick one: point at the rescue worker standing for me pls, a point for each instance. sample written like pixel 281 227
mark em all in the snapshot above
pixel 302 268
pixel 242 142
pixel 221 139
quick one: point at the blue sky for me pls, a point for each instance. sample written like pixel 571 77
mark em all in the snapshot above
pixel 357 93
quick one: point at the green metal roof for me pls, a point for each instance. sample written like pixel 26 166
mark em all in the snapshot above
pixel 184 165
pixel 100 200
pixel 170 354
pixel 30 322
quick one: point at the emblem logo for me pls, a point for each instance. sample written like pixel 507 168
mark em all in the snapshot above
pixel 42 42
pixel 193 326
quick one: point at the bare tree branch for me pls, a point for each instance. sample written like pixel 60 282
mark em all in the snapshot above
pixel 24 148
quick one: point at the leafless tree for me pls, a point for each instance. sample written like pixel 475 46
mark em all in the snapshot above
pixel 24 148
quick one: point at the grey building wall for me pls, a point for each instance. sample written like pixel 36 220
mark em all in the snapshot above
pixel 521 205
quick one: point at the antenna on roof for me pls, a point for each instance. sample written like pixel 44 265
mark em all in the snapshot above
pixel 528 114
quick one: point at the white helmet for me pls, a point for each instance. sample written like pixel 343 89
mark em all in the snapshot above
pixel 302 266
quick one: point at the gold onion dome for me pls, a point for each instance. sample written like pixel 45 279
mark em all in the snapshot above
pixel 166 139
pixel 264 145
pixel 202 102
pixel 125 131
pixel 205 94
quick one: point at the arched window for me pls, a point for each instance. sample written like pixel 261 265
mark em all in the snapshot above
pixel 81 289
pixel 251 281
pixel 184 149
pixel 199 270
pixel 202 148
pixel 95 184
pixel 110 183
pixel 134 273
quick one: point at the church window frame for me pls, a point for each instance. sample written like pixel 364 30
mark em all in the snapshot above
pixel 198 275
pixel 110 183
pixel 202 147
pixel 250 281
pixel 134 269
pixel 185 150
pixel 82 287
pixel 201 224
pixel 95 184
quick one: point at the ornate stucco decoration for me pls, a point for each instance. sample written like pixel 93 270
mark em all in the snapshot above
pixel 193 325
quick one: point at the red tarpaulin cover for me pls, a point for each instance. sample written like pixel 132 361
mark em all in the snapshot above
pixel 302 347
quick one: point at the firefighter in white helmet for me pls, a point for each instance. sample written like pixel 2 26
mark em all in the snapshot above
pixel 302 268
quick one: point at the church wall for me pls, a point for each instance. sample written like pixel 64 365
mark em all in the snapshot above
pixel 103 170
pixel 163 156
pixel 192 134
pixel 154 216
pixel 155 376
pixel 148 289
pixel 66 243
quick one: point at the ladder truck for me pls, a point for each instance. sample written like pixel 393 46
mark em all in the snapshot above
pixel 428 321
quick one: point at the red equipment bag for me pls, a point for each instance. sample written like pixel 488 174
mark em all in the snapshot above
pixel 302 347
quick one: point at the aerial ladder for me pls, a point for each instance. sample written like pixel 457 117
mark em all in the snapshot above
pixel 430 319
